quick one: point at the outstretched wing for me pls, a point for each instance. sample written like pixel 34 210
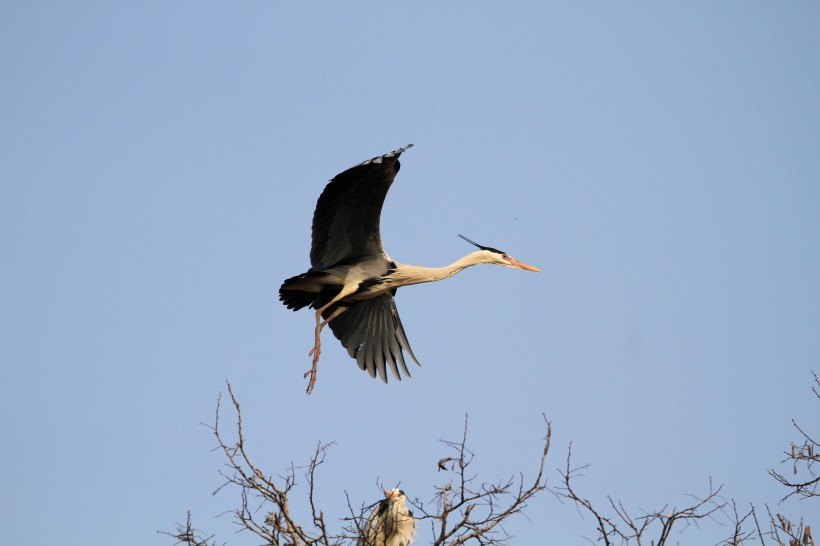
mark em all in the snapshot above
pixel 346 220
pixel 372 333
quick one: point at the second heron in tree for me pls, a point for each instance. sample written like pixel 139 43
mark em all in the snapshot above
pixel 391 523
pixel 351 281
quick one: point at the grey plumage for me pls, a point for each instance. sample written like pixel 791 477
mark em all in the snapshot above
pixel 346 219
pixel 390 523
pixel 352 281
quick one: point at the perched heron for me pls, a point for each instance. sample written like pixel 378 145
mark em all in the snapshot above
pixel 390 523
pixel 351 281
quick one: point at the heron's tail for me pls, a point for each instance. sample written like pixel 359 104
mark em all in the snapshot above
pixel 300 291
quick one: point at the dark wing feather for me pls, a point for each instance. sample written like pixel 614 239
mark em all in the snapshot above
pixel 372 333
pixel 346 220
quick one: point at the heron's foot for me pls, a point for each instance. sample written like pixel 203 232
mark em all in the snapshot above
pixel 312 372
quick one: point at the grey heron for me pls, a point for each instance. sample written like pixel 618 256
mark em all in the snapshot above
pixel 390 523
pixel 351 281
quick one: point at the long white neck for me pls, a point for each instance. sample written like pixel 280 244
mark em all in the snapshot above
pixel 413 274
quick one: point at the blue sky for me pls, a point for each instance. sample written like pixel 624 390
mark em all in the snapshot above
pixel 160 163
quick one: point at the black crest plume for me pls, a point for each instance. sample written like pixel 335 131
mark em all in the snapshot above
pixel 482 247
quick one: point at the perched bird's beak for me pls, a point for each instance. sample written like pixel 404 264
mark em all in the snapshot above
pixel 521 265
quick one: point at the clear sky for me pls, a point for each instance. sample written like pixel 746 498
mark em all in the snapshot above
pixel 159 165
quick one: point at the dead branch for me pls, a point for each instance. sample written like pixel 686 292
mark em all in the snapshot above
pixel 785 533
pixel 188 535
pixel 803 456
pixel 622 527
pixel 466 511
pixel 469 512
pixel 740 533
pixel 264 508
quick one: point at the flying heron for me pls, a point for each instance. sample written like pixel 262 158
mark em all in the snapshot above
pixel 351 281
pixel 390 523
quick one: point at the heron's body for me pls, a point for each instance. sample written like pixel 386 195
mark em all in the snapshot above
pixel 371 284
pixel 391 523
pixel 352 281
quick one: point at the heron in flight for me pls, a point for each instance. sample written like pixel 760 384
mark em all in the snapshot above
pixel 390 523
pixel 351 281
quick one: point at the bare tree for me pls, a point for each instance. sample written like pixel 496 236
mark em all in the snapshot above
pixel 784 533
pixel 618 526
pixel 186 534
pixel 804 455
pixel 463 511
pixel 466 511
pixel 614 524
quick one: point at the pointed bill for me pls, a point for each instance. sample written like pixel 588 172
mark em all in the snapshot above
pixel 522 265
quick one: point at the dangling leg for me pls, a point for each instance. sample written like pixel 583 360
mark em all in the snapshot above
pixel 317 342
pixel 317 345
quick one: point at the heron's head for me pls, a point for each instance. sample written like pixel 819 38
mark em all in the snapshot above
pixel 491 255
pixel 394 494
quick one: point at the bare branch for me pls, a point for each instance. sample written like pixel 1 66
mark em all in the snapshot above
pixel 188 535
pixel 466 511
pixel 740 534
pixel 804 455
pixel 785 533
pixel 626 529
pixel 469 512
pixel 269 496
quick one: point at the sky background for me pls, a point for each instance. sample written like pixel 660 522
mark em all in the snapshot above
pixel 159 166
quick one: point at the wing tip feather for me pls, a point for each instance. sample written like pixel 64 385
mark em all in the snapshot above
pixel 380 158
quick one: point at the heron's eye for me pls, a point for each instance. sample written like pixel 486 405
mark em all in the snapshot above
pixel 505 256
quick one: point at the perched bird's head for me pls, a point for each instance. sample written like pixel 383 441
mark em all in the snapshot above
pixel 395 495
